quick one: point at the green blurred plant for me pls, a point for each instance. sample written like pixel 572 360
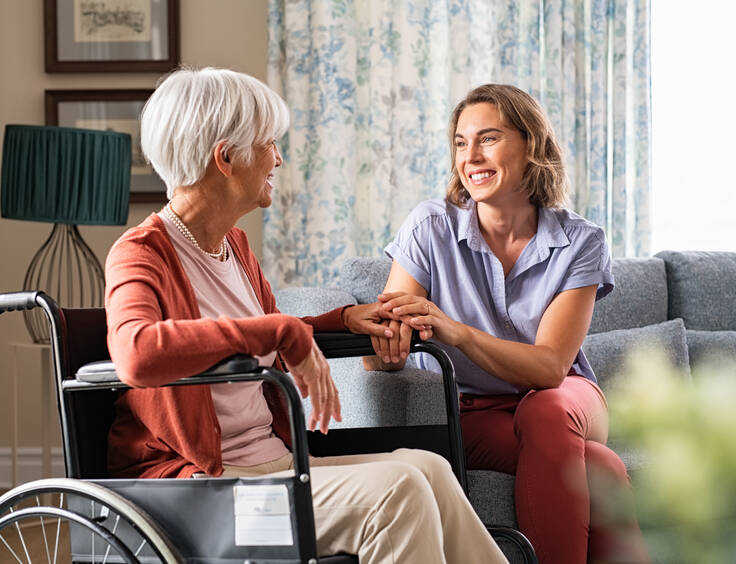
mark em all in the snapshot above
pixel 686 428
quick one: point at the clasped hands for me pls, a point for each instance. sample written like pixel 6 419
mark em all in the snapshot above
pixel 389 322
pixel 406 312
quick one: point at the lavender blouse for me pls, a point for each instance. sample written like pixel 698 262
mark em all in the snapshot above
pixel 441 246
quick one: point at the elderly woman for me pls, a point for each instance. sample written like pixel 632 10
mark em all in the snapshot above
pixel 506 279
pixel 184 290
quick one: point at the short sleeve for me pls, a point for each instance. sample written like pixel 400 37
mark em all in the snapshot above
pixel 591 263
pixel 410 247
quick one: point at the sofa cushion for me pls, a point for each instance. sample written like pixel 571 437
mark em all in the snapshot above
pixel 311 301
pixel 638 299
pixel 385 399
pixel 365 277
pixel 711 348
pixel 492 496
pixel 702 289
pixel 607 351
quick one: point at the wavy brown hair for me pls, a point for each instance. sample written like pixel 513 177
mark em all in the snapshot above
pixel 544 179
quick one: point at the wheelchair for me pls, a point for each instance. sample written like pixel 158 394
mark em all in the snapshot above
pixel 88 517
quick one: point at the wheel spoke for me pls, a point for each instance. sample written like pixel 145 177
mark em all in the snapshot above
pixel 43 532
pixel 22 539
pixel 92 514
pixel 10 549
pixel 114 530
pixel 143 543
pixel 58 528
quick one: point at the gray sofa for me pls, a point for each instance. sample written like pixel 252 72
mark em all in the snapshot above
pixel 684 302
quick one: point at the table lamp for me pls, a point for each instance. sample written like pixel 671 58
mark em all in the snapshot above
pixel 67 177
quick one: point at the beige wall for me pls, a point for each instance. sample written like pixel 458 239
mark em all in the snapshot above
pixel 226 33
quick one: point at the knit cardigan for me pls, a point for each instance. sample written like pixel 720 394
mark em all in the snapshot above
pixel 156 335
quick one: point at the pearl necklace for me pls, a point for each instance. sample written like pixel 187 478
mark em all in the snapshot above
pixel 219 255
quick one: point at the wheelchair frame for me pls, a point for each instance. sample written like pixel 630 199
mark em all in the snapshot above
pixel 101 376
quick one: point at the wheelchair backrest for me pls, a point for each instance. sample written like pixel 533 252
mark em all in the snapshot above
pixel 81 338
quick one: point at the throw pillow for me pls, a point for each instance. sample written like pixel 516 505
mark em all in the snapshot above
pixel 607 352
pixel 711 347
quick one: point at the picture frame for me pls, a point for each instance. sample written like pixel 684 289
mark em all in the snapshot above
pixel 111 35
pixel 118 110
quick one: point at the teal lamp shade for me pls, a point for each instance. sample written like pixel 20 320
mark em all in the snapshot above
pixel 67 177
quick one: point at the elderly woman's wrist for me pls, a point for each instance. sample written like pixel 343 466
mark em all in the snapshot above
pixel 343 317
pixel 298 343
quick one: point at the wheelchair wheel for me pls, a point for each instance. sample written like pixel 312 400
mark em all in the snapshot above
pixel 63 521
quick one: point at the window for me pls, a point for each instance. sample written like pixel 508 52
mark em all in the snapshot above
pixel 693 125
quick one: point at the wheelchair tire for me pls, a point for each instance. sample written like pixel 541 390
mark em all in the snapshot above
pixel 73 521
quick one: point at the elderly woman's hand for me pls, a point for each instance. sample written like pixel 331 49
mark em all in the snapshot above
pixel 312 377
pixel 367 319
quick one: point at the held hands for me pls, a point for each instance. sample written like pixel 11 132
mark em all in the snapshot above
pixel 312 377
pixel 393 350
pixel 423 315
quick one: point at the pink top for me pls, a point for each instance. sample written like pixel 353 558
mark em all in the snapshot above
pixel 223 289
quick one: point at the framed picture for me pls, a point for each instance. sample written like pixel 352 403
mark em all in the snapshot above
pixel 116 110
pixel 111 35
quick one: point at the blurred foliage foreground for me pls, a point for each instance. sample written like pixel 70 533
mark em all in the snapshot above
pixel 686 427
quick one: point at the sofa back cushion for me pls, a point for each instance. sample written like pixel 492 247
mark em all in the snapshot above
pixel 365 277
pixel 702 288
pixel 304 301
pixel 638 299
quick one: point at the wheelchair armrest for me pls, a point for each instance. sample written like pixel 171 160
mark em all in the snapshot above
pixel 239 365
pixel 235 364
pixel 101 375
pixel 341 345
pixel 98 372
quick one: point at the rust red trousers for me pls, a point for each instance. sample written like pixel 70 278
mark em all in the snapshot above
pixel 573 495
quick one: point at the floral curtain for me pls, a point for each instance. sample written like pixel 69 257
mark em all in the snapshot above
pixel 370 85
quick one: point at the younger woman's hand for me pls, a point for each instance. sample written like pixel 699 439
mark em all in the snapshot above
pixel 424 316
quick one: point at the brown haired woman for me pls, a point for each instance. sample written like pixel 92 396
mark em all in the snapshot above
pixel 505 279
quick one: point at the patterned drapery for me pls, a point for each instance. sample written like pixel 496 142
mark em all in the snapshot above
pixel 370 86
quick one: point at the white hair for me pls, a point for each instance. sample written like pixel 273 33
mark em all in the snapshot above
pixel 191 111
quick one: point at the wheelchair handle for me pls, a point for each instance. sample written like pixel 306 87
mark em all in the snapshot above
pixel 18 300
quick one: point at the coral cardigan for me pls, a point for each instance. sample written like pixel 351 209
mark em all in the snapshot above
pixel 156 335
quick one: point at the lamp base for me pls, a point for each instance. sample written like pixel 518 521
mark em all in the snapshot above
pixel 68 271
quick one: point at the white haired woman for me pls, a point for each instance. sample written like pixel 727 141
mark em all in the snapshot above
pixel 184 290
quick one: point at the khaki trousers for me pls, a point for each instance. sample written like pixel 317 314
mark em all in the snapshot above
pixel 401 507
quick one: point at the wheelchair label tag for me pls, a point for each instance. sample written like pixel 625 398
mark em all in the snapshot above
pixel 262 515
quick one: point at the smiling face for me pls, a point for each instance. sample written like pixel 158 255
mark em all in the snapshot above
pixel 490 156
pixel 255 178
